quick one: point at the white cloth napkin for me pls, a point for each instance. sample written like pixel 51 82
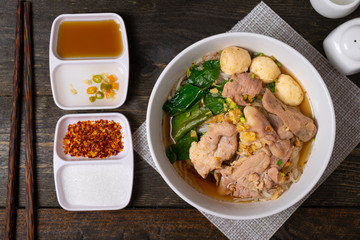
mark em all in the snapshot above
pixel 346 98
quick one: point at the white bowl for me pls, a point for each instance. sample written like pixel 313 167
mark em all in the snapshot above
pixel 320 102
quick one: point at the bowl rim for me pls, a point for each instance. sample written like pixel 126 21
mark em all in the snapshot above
pixel 327 155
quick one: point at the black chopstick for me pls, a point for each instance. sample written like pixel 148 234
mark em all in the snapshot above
pixel 29 143
pixel 10 215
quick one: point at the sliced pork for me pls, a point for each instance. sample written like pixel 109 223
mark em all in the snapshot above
pixel 281 150
pixel 274 174
pixel 302 126
pixel 279 126
pixel 259 124
pixel 242 178
pixel 242 84
pixel 218 144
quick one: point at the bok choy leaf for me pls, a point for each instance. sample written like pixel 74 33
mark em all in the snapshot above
pixel 184 122
pixel 185 98
pixel 204 76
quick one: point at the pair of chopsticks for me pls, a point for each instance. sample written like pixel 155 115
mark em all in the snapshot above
pixel 22 62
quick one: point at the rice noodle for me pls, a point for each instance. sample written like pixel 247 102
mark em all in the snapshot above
pixel 244 199
pixel 203 128
pixel 266 194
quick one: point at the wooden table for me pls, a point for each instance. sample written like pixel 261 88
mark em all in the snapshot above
pixel 157 31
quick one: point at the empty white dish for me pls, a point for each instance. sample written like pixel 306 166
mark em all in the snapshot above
pixel 68 75
pixel 84 184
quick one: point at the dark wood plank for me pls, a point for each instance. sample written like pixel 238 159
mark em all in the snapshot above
pixel 124 224
pixel 321 223
pixel 305 223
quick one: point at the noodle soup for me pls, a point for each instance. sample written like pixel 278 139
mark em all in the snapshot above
pixel 232 142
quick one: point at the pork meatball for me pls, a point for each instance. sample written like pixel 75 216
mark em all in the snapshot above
pixel 265 68
pixel 234 60
pixel 288 90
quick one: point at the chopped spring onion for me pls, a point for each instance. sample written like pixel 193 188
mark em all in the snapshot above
pixel 253 76
pixel 279 162
pixel 258 54
pixel 242 120
pixel 272 87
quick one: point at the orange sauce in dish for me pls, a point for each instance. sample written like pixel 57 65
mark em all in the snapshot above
pixel 81 39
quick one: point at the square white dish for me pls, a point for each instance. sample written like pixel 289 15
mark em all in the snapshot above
pixel 85 184
pixel 70 73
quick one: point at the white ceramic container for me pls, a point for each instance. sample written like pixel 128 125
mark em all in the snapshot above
pixel 84 184
pixel 342 47
pixel 335 8
pixel 70 73
pixel 321 105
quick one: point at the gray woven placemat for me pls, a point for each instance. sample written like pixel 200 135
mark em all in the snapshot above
pixel 346 98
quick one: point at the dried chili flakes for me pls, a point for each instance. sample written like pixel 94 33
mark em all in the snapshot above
pixel 93 139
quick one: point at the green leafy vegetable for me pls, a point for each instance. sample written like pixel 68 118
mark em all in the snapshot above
pixel 171 153
pixel 205 76
pixel 180 150
pixel 214 103
pixel 183 99
pixel 279 162
pixel 184 122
